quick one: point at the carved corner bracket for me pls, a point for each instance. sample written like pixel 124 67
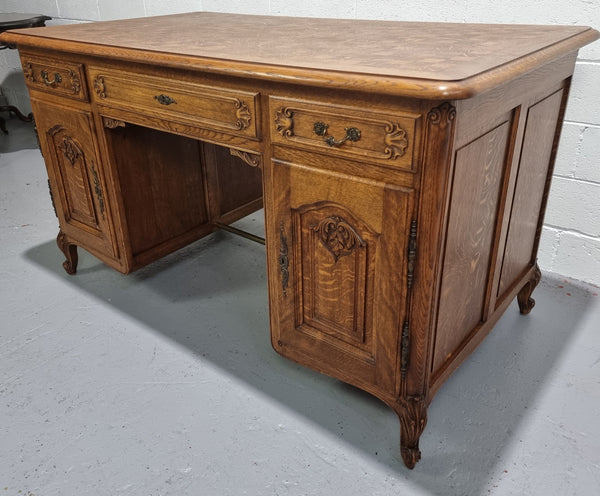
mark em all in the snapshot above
pixel 253 160
pixel 111 123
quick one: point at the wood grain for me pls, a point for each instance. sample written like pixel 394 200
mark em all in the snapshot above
pixel 415 59
pixel 474 209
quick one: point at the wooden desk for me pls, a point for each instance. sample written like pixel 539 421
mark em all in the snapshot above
pixel 405 170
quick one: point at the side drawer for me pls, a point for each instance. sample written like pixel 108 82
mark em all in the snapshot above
pixel 204 106
pixel 387 139
pixel 57 77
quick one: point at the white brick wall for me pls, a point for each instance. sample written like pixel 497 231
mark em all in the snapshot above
pixel 570 243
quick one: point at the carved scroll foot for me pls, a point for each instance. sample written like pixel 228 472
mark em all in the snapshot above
pixel 70 251
pixel 413 418
pixel 526 302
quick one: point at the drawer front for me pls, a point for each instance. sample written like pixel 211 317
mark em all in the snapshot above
pixel 196 104
pixel 56 77
pixel 387 139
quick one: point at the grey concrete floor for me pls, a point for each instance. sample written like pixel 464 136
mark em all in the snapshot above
pixel 164 382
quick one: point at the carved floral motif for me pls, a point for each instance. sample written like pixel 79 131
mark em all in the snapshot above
pixel 396 140
pixel 338 236
pixel 99 87
pixel 28 71
pixel 75 82
pixel 284 122
pixel 70 149
pixel 242 114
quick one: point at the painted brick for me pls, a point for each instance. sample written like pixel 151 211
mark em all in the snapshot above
pixel 160 7
pixel 82 9
pixel 425 10
pixel 578 257
pixel 568 148
pixel 33 6
pixel 257 7
pixel 117 9
pixel 574 205
pixel 315 8
pixel 584 98
pixel 548 248
pixel 587 162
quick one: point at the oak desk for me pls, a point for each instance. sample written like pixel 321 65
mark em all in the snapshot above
pixel 404 169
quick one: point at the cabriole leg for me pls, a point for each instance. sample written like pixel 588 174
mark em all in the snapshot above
pixel 526 302
pixel 413 418
pixel 70 251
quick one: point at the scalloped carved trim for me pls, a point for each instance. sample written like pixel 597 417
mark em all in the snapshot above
pixel 396 140
pixel 442 115
pixel 284 122
pixel 242 114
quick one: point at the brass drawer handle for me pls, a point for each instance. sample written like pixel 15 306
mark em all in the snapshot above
pixel 57 79
pixel 164 99
pixel 320 129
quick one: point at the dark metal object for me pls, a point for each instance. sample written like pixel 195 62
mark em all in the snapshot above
pixel 284 261
pixel 164 99
pixel 404 349
pixel 55 82
pixel 320 129
pixel 240 232
pixel 412 253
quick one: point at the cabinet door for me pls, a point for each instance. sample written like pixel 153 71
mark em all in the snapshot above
pixel 76 175
pixel 338 297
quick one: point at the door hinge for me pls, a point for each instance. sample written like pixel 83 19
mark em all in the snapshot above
pixel 404 349
pixel 412 254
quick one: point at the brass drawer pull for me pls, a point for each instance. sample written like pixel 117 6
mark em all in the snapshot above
pixel 57 79
pixel 164 99
pixel 320 129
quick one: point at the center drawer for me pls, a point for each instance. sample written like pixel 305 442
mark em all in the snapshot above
pixel 220 109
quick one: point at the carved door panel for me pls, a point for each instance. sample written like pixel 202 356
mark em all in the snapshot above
pixel 76 175
pixel 342 273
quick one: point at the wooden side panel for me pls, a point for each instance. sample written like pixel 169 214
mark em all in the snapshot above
pixel 536 152
pixel 76 175
pixel 338 236
pixel 476 193
pixel 161 185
